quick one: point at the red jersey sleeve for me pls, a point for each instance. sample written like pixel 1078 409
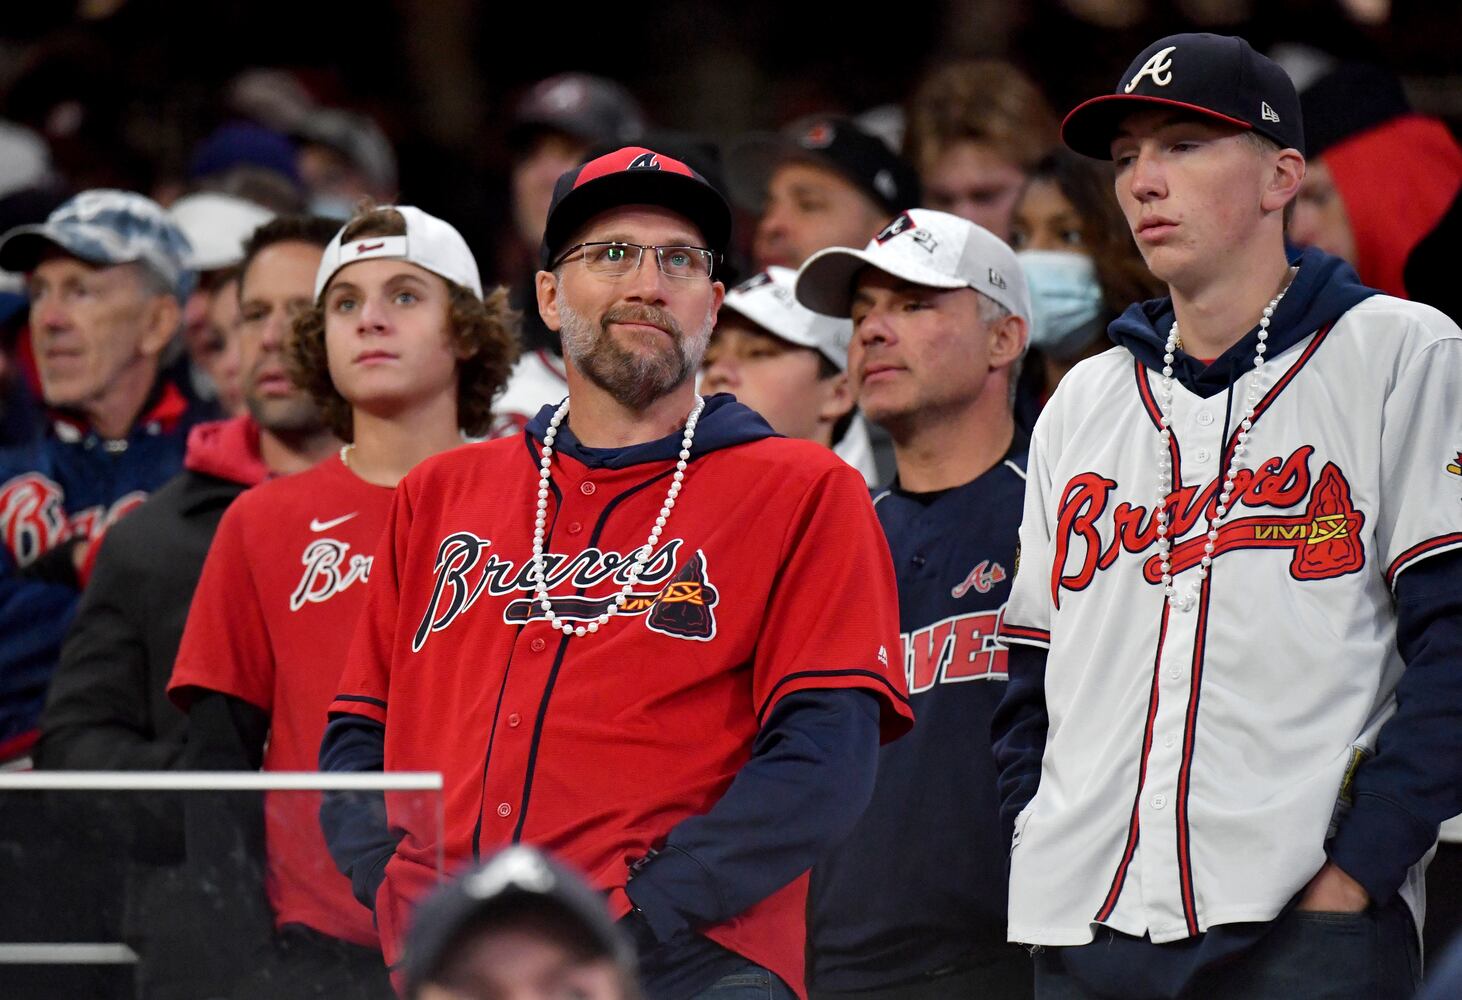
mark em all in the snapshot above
pixel 225 645
pixel 832 615
pixel 366 679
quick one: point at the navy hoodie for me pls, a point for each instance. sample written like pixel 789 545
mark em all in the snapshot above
pixel 1415 758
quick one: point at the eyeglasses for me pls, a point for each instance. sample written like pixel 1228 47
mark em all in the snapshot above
pixel 616 260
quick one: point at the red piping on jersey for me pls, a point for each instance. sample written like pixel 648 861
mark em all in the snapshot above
pixel 1022 632
pixel 1154 413
pixel 1417 551
pixel 1120 878
pixel 1185 771
pixel 851 672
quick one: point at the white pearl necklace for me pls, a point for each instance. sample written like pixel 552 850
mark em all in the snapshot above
pixel 1185 602
pixel 642 554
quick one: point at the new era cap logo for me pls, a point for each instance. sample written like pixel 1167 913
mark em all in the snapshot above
pixel 645 161
pixel 1267 113
pixel 996 278
pixel 925 239
pixel 1159 67
pixel 902 224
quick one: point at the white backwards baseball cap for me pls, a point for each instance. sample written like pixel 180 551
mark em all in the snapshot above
pixel 429 242
pixel 217 227
pixel 924 247
pixel 767 300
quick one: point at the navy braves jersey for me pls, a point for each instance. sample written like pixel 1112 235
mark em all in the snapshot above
pixel 921 881
pixel 71 484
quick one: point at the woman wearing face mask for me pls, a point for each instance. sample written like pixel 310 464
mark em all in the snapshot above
pixel 1081 266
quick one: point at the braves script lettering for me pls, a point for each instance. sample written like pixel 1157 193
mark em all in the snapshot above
pixel 329 569
pixel 1324 540
pixel 462 575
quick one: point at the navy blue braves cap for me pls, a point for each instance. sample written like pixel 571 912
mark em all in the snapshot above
pixel 1216 76
pixel 634 175
pixel 838 144
pixel 516 881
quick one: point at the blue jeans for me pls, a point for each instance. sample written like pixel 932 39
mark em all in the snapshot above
pixel 1305 956
pixel 750 982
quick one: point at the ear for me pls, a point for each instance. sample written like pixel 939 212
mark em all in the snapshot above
pixel 160 324
pixel 718 294
pixel 547 289
pixel 1283 183
pixel 838 399
pixel 1007 341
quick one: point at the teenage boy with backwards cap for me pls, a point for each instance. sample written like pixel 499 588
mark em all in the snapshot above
pixel 647 634
pixel 403 353
pixel 519 927
pixel 788 364
pixel 912 904
pixel 822 183
pixel 1233 792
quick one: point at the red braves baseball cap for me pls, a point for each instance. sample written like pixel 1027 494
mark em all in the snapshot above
pixel 634 175
pixel 1216 76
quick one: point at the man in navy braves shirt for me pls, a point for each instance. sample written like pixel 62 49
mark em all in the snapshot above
pixel 912 905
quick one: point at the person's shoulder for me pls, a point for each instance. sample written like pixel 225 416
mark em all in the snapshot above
pixel 467 461
pixel 791 460
pixel 1388 314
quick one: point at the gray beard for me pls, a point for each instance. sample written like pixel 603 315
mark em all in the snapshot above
pixel 632 379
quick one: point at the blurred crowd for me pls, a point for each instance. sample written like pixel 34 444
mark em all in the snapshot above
pixel 146 321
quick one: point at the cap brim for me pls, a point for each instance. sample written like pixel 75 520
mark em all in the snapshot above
pixel 825 283
pixel 1092 125
pixel 24 247
pixel 688 196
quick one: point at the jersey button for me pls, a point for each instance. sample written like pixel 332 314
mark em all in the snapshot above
pixel 1203 455
pixel 575 528
pixel 1205 418
pixel 1169 740
pixel 537 645
pixel 918 561
pixel 587 489
pixel 515 720
pixel 1158 802
pixel 504 810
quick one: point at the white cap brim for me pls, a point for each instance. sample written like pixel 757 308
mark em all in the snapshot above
pixel 825 283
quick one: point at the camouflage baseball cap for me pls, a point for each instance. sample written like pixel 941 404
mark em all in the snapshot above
pixel 105 226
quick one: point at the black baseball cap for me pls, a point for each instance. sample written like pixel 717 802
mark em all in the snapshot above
pixel 1217 76
pixel 593 109
pixel 516 881
pixel 634 175
pixel 836 143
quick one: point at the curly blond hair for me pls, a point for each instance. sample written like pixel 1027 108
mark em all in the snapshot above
pixel 483 333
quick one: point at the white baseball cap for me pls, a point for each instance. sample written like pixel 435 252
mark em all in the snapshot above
pixel 217 227
pixel 767 300
pixel 429 242
pixel 924 247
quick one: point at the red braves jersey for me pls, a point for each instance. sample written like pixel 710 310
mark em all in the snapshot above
pixel 772 577
pixel 280 594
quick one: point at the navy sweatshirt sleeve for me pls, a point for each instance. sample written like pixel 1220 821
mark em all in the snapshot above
pixel 1414 782
pixel 809 778
pixel 1018 732
pixel 354 823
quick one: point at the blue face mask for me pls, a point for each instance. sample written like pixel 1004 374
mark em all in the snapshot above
pixel 1066 301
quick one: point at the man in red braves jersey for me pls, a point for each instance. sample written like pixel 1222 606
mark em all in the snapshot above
pixel 403 355
pixel 680 693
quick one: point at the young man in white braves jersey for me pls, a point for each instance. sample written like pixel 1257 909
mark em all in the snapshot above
pixel 403 354
pixel 1230 732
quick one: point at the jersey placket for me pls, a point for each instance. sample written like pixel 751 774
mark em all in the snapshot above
pixel 1168 898
pixel 538 654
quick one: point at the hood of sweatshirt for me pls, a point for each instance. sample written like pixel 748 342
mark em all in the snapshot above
pixel 1323 289
pixel 724 422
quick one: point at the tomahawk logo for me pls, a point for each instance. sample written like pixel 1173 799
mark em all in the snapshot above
pixel 1159 67
pixel 645 161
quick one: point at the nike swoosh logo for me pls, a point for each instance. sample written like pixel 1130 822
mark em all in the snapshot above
pixel 317 525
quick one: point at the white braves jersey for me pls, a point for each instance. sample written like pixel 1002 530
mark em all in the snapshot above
pixel 1194 760
pixel 537 378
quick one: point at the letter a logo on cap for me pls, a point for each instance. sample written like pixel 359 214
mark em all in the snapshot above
pixel 1159 67
pixel 645 161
